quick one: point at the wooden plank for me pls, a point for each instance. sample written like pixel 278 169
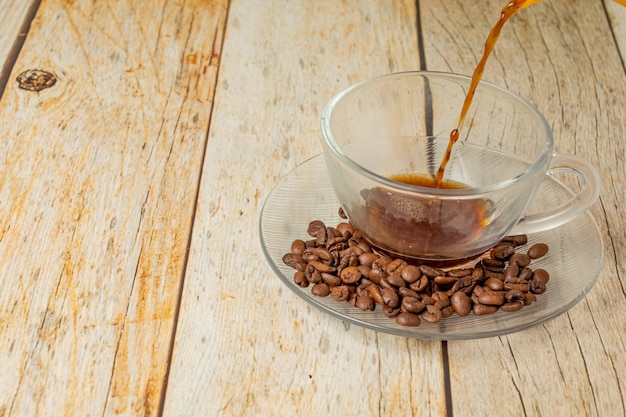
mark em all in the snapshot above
pixel 246 345
pixel 98 186
pixel 14 19
pixel 617 16
pixel 576 363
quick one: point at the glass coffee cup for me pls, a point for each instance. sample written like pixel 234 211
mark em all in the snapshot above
pixel 384 140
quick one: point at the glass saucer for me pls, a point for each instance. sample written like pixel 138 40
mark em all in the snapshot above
pixel 574 260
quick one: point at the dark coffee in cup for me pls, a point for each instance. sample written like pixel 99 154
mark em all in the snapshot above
pixel 426 227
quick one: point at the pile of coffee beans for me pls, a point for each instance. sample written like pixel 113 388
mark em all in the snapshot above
pixel 339 263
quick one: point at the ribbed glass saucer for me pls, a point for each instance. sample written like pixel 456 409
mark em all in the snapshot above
pixel 574 260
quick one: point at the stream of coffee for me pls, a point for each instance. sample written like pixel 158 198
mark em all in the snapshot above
pixel 507 12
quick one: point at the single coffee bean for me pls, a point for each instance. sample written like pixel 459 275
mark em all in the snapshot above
pixel 365 270
pixel 494 284
pixel 482 309
pixel 407 292
pixel 377 274
pixel 314 227
pixel 331 280
pixel 391 312
pixel 445 281
pixel 491 298
pixel 321 237
pixel 408 319
pixel 461 303
pixel 478 274
pixel 315 277
pixel 526 274
pixel 322 267
pixel 294 261
pixel 345 227
pixel 320 290
pixel 537 286
pixel 367 258
pixel 376 294
pixel 511 271
pixel 396 280
pixel 340 293
pixel 342 213
pixel 512 306
pixel 431 272
pixel 537 250
pixel 521 259
pixel 420 285
pixel 390 298
pixel 465 285
pixel 410 273
pixel 529 298
pixel 523 287
pixel 350 275
pixel 493 264
pixel 447 312
pixel 514 295
pixel 365 302
pixel 542 275
pixel 493 274
pixel 517 239
pixel 412 305
pixel 432 314
pixel 395 266
pixel 502 252
pixel 300 279
pixel 298 246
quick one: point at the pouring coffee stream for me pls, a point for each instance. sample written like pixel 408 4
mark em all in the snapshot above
pixel 507 12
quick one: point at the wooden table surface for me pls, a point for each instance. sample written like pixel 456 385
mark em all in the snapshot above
pixel 132 281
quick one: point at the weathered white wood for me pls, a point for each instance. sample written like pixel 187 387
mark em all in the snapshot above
pixel 97 193
pixel 617 16
pixel 561 56
pixel 14 14
pixel 246 345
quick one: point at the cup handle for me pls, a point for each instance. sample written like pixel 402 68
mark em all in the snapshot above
pixel 591 183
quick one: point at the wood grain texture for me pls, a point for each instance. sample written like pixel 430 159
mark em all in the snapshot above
pixel 97 195
pixel 576 363
pixel 246 345
pixel 15 16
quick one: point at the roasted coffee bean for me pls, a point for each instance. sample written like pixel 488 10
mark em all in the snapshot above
pixel 482 309
pixel 419 285
pixel 478 274
pixel 314 227
pixel 342 213
pixel 495 265
pixel 465 285
pixel 521 259
pixel 381 263
pixel 298 246
pixel 502 252
pixel 461 272
pixel 377 274
pixel 345 227
pixel 432 314
pixel 367 258
pixel 384 283
pixel 315 277
pixel 514 295
pixel 322 253
pixel 537 250
pixel 395 266
pixel 491 298
pixel 412 305
pixel 330 279
pixel 494 284
pixel 441 299
pixel 511 271
pixel 461 303
pixel 537 286
pixel 445 281
pixel 396 280
pixel 407 292
pixel 340 293
pixel 512 306
pixel 320 290
pixel 408 319
pixel 300 279
pixel 365 302
pixel 390 298
pixel 410 273
pixel 523 287
pixel 322 267
pixel 517 239
pixel 321 237
pixel 376 294
pixel 526 274
pixel 447 312
pixel 431 272
pixel 350 275
pixel 365 270
pixel 529 298
pixel 492 274
pixel 541 275
pixel 427 299
pixel 391 312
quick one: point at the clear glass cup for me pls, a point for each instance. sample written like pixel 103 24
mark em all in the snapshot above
pixel 398 125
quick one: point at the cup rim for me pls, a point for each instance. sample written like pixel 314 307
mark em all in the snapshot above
pixel 473 192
